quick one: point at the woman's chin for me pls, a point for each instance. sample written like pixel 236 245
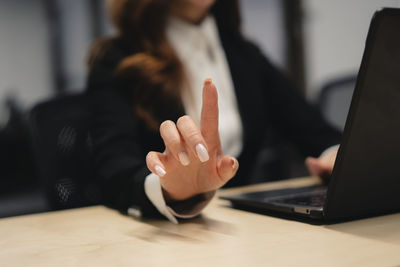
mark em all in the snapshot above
pixel 201 4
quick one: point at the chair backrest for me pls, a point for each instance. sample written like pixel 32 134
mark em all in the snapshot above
pixel 335 98
pixel 63 151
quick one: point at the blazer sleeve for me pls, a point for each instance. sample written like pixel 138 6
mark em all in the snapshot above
pixel 294 118
pixel 119 162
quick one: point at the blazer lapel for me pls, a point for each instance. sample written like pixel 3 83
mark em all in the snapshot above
pixel 248 86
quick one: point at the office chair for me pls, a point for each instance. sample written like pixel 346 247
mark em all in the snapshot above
pixel 20 191
pixel 63 151
pixel 334 100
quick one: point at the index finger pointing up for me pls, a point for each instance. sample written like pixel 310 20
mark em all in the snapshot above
pixel 209 113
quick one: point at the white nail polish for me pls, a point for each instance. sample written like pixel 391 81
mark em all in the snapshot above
pixel 202 153
pixel 184 158
pixel 160 171
pixel 234 163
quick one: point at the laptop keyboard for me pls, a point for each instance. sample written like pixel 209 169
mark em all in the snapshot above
pixel 313 196
pixel 312 199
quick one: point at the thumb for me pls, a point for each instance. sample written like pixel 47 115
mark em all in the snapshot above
pixel 227 167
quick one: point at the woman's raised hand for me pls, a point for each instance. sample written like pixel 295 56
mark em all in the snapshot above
pixel 192 162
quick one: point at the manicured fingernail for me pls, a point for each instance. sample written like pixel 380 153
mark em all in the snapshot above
pixel 208 81
pixel 235 163
pixel 160 171
pixel 184 158
pixel 202 153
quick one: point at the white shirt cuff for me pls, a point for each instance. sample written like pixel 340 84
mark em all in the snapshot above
pixel 329 150
pixel 153 190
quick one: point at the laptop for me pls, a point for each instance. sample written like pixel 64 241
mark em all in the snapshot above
pixel 366 177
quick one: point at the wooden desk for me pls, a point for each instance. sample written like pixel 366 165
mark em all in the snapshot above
pixel 98 236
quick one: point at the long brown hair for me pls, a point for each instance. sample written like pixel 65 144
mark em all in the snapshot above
pixel 153 70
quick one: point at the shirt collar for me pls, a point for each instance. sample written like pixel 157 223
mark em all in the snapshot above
pixel 187 38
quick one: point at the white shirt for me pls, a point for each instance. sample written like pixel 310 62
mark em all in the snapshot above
pixel 201 53
pixel 200 50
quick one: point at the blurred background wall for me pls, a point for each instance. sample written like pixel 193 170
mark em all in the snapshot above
pixel 44 43
pixel 334 37
pixel 263 22
pixel 33 33
pixel 24 53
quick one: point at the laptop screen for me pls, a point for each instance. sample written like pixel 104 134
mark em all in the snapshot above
pixel 366 177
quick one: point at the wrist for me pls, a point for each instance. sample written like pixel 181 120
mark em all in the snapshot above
pixel 167 196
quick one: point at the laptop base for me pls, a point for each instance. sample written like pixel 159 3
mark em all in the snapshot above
pixel 306 202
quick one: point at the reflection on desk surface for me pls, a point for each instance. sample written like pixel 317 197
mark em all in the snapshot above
pixel 221 236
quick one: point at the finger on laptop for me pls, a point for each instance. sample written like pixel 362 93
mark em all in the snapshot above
pixel 317 166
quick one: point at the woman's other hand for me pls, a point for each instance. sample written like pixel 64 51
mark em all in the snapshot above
pixel 192 162
pixel 323 165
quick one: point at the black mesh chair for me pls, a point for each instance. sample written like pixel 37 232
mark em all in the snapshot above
pixel 20 188
pixel 63 151
pixel 335 98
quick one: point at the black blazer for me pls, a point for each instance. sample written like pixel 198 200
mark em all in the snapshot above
pixel 265 98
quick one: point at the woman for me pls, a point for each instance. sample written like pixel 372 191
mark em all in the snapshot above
pixel 149 77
